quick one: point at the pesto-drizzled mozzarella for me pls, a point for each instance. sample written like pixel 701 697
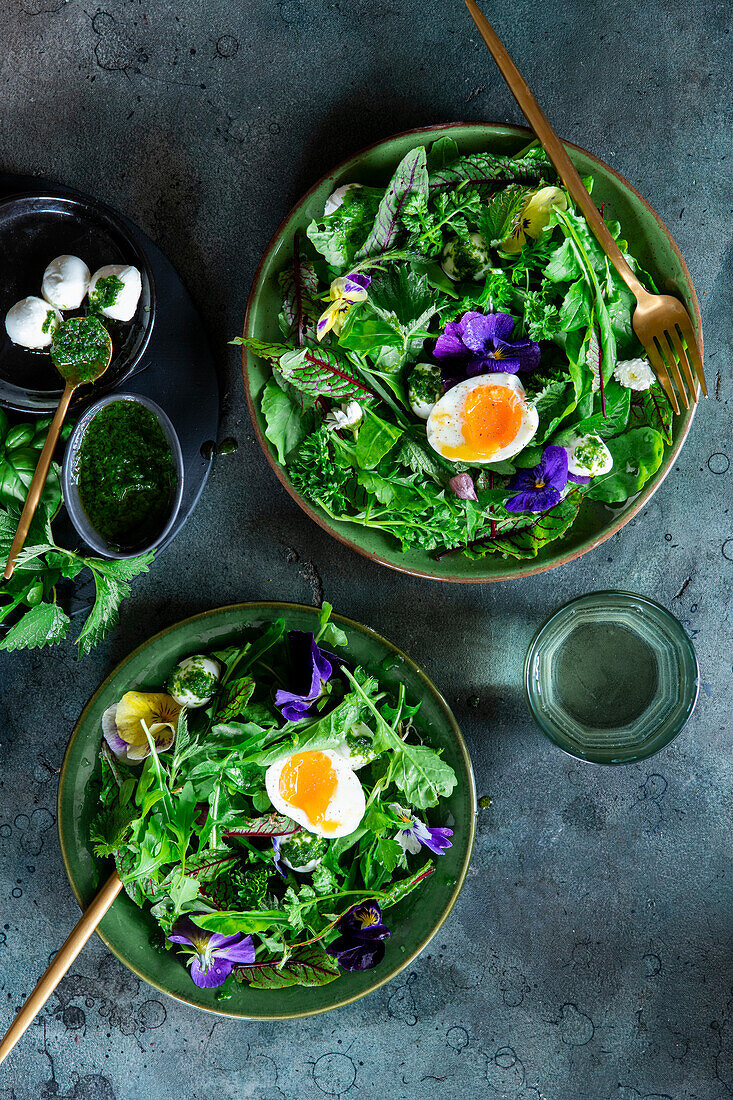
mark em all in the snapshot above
pixel 303 852
pixel 65 282
pixel 588 455
pixel 114 291
pixel 466 259
pixel 424 388
pixel 32 322
pixel 193 681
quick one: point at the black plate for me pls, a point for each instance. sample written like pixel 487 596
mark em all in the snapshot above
pixel 34 229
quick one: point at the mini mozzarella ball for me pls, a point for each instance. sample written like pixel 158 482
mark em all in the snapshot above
pixel 358 747
pixel 588 455
pixel 32 322
pixel 424 388
pixel 65 282
pixel 334 201
pixel 319 790
pixel 303 852
pixel 193 681
pixel 466 259
pixel 128 295
pixel 484 419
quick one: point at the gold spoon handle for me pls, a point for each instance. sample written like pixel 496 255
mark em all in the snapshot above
pixel 61 963
pixel 553 147
pixel 39 480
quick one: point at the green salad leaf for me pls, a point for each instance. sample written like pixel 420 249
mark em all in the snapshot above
pixel 410 178
pixel 637 455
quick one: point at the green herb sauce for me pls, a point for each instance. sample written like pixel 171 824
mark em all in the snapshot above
pixel 80 349
pixel 105 293
pixel 126 474
pixel 50 323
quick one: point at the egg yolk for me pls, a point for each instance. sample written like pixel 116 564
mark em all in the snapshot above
pixel 308 782
pixel 490 419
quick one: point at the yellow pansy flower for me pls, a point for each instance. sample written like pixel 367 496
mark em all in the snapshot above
pixel 534 216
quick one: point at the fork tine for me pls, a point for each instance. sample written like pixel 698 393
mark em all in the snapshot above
pixel 673 365
pixel 661 372
pixel 682 356
pixel 693 351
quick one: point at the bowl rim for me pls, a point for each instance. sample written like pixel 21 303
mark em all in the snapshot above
pixel 283 608
pixel 69 483
pixel 75 198
pixel 684 641
pixel 528 570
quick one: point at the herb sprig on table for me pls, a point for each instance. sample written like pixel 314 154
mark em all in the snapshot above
pixel 29 606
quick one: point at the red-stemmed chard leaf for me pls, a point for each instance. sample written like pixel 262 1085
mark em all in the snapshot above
pixel 410 178
pixel 321 372
pixel 299 286
pixel 268 826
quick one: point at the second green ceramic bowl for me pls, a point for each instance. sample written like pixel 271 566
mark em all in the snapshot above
pixel 132 934
pixel 649 240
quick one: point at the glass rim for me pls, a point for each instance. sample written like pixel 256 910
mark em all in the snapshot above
pixel 682 641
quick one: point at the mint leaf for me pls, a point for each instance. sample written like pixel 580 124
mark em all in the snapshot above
pixel 45 624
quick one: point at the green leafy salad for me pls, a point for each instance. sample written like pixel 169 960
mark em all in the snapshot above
pixel 269 806
pixel 457 366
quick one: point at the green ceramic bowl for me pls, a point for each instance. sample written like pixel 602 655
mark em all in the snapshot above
pixel 132 934
pixel 650 241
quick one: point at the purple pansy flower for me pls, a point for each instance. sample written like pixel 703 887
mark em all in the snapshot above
pixel 213 956
pixel 360 945
pixel 313 667
pixel 277 856
pixel 481 343
pixel 415 834
pixel 541 487
pixel 463 486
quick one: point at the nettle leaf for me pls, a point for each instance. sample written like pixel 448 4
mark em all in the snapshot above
pixel 491 168
pixel 299 286
pixel 420 459
pixel 651 408
pixel 323 373
pixel 45 624
pixel 499 215
pixel 410 178
pixel 307 966
pixel 637 454
pixel 527 542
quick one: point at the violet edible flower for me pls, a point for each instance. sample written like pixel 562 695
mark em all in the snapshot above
pixel 213 956
pixel 463 486
pixel 277 856
pixel 313 668
pixel 541 487
pixel 480 343
pixel 360 945
pixel 415 834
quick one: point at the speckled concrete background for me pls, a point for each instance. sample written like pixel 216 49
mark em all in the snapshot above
pixel 589 957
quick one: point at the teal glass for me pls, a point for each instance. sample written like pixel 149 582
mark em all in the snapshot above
pixel 611 677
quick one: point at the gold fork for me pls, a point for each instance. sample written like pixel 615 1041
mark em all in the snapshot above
pixel 661 322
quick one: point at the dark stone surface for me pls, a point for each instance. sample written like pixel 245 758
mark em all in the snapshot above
pixel 589 957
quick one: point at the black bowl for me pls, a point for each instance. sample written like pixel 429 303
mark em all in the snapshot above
pixel 34 229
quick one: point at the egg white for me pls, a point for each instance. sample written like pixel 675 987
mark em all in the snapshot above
pixel 445 422
pixel 347 805
pixel 124 306
pixel 65 282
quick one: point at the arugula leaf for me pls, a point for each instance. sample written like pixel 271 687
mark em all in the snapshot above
pixel 285 427
pixel 45 624
pixel 575 311
pixel 410 178
pixel 306 966
pixel 637 455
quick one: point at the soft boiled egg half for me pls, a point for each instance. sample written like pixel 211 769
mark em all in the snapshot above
pixel 319 790
pixel 484 419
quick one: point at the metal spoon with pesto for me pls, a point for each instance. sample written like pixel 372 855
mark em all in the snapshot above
pixel 81 351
